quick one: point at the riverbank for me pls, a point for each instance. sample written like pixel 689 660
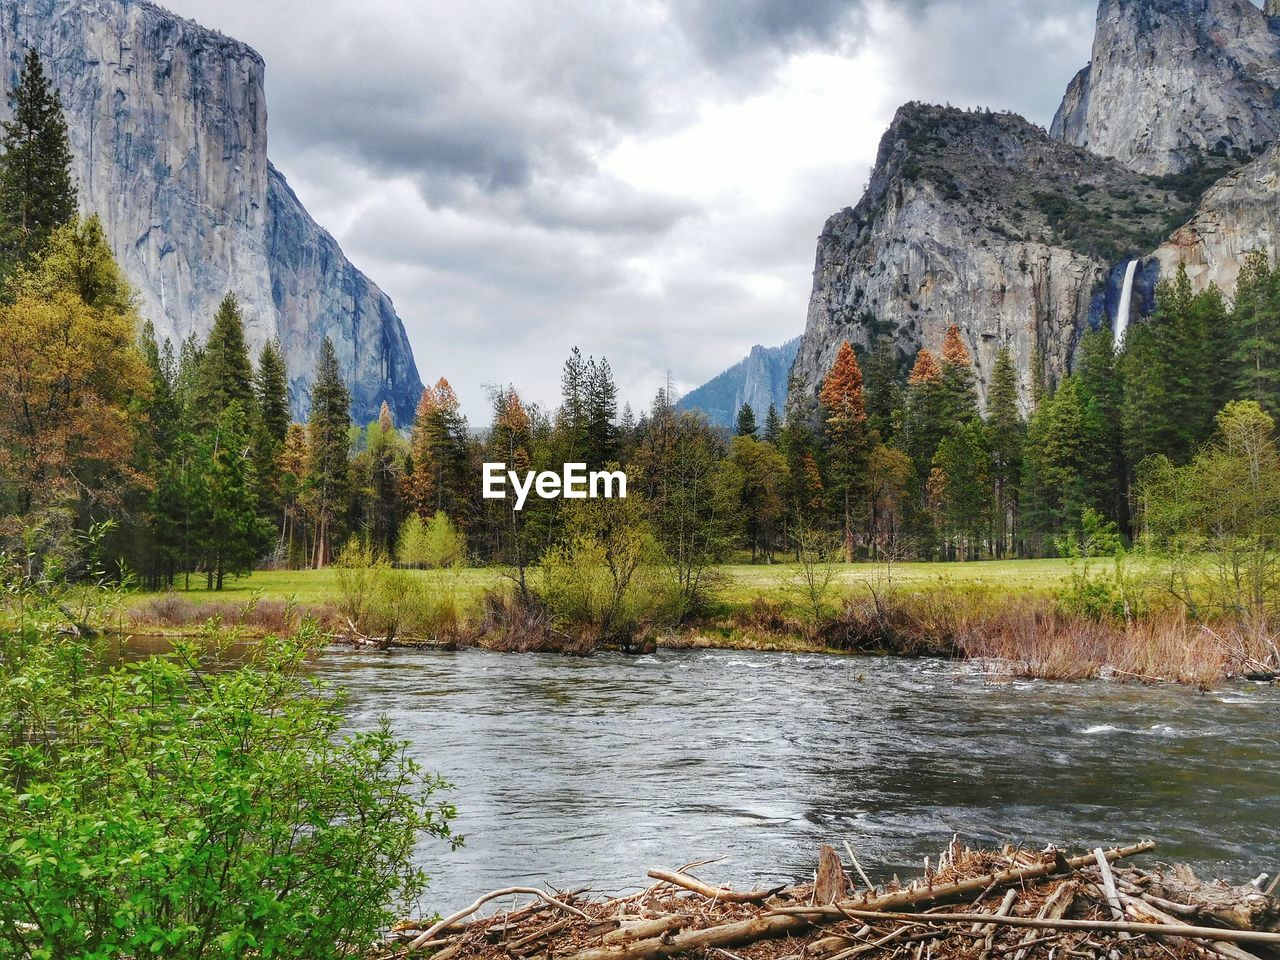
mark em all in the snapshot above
pixel 1028 618
pixel 967 903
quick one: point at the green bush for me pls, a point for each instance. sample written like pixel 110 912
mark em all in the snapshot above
pixel 435 544
pixel 163 808
pixel 609 576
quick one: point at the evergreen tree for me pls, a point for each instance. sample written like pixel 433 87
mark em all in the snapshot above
pixel 772 426
pixel 327 476
pixel 439 478
pixel 1105 482
pixel 383 478
pixel 1255 323
pixel 226 372
pixel 231 534
pixel 36 192
pixel 846 433
pixel 1007 434
pixel 923 415
pixel 746 426
pixel 272 387
pixel 1053 483
pixel 572 415
pixel 1176 372
pixel 883 389
pixel 958 395
pixel 600 411
pixel 964 494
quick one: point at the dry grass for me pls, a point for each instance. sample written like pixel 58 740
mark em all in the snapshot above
pixel 171 612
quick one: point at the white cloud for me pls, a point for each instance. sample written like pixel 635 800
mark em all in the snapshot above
pixel 642 178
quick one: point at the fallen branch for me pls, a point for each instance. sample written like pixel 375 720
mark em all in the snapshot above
pixel 450 920
pixel 1101 926
pixel 723 894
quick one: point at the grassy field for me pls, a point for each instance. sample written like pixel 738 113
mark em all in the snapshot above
pixel 744 582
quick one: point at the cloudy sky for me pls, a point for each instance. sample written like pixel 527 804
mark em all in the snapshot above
pixel 643 178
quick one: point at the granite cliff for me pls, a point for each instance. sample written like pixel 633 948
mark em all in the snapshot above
pixel 168 124
pixel 1159 153
pixel 1176 84
pixel 982 220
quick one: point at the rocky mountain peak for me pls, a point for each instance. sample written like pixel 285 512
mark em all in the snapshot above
pixel 1177 85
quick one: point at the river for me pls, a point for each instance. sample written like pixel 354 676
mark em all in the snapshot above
pixel 588 771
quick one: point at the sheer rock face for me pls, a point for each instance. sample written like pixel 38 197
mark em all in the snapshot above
pixel 168 124
pixel 759 379
pixel 1239 214
pixel 1174 81
pixel 981 220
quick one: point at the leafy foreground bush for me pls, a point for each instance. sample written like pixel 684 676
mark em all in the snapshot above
pixel 163 808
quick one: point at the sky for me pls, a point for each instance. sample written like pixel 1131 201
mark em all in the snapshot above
pixel 645 179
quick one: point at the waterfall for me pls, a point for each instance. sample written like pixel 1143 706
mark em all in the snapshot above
pixel 1121 322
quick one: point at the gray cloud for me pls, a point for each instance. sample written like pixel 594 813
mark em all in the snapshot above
pixel 462 154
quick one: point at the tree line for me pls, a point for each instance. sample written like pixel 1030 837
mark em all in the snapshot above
pixel 190 449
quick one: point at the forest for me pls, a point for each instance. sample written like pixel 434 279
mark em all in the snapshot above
pixel 186 458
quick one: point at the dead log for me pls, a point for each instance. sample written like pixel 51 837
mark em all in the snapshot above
pixel 723 894
pixel 646 929
pixel 989 931
pixel 831 884
pixel 963 889
pixel 1141 909
pixel 1054 908
pixel 1241 908
pixel 1099 926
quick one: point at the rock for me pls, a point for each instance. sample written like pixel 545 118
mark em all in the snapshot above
pixel 1237 215
pixel 759 379
pixel 168 124
pixel 1173 83
pixel 981 220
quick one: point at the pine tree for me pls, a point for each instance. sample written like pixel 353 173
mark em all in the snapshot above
pixel 1255 323
pixel 922 418
pixel 1176 373
pixel 746 426
pixel 327 435
pixel 772 426
pixel 272 385
pixel 883 389
pixel 438 479
pixel 600 409
pixel 226 373
pixel 846 433
pixel 959 396
pixel 1007 433
pixel 1106 489
pixel 965 494
pixel 572 415
pixel 382 469
pixel 231 534
pixel 36 192
pixel 1053 484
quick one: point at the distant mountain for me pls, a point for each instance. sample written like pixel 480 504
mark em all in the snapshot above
pixel 759 379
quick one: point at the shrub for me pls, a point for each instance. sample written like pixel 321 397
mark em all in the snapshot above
pixel 162 808
pixel 435 544
pixel 610 575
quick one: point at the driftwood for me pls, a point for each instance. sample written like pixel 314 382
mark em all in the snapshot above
pixel 1008 905
pixel 712 893
pixel 1102 926
pixel 830 883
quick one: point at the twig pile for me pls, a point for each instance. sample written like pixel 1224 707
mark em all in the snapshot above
pixel 1006 905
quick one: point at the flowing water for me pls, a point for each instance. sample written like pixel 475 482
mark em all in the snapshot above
pixel 1121 323
pixel 588 771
